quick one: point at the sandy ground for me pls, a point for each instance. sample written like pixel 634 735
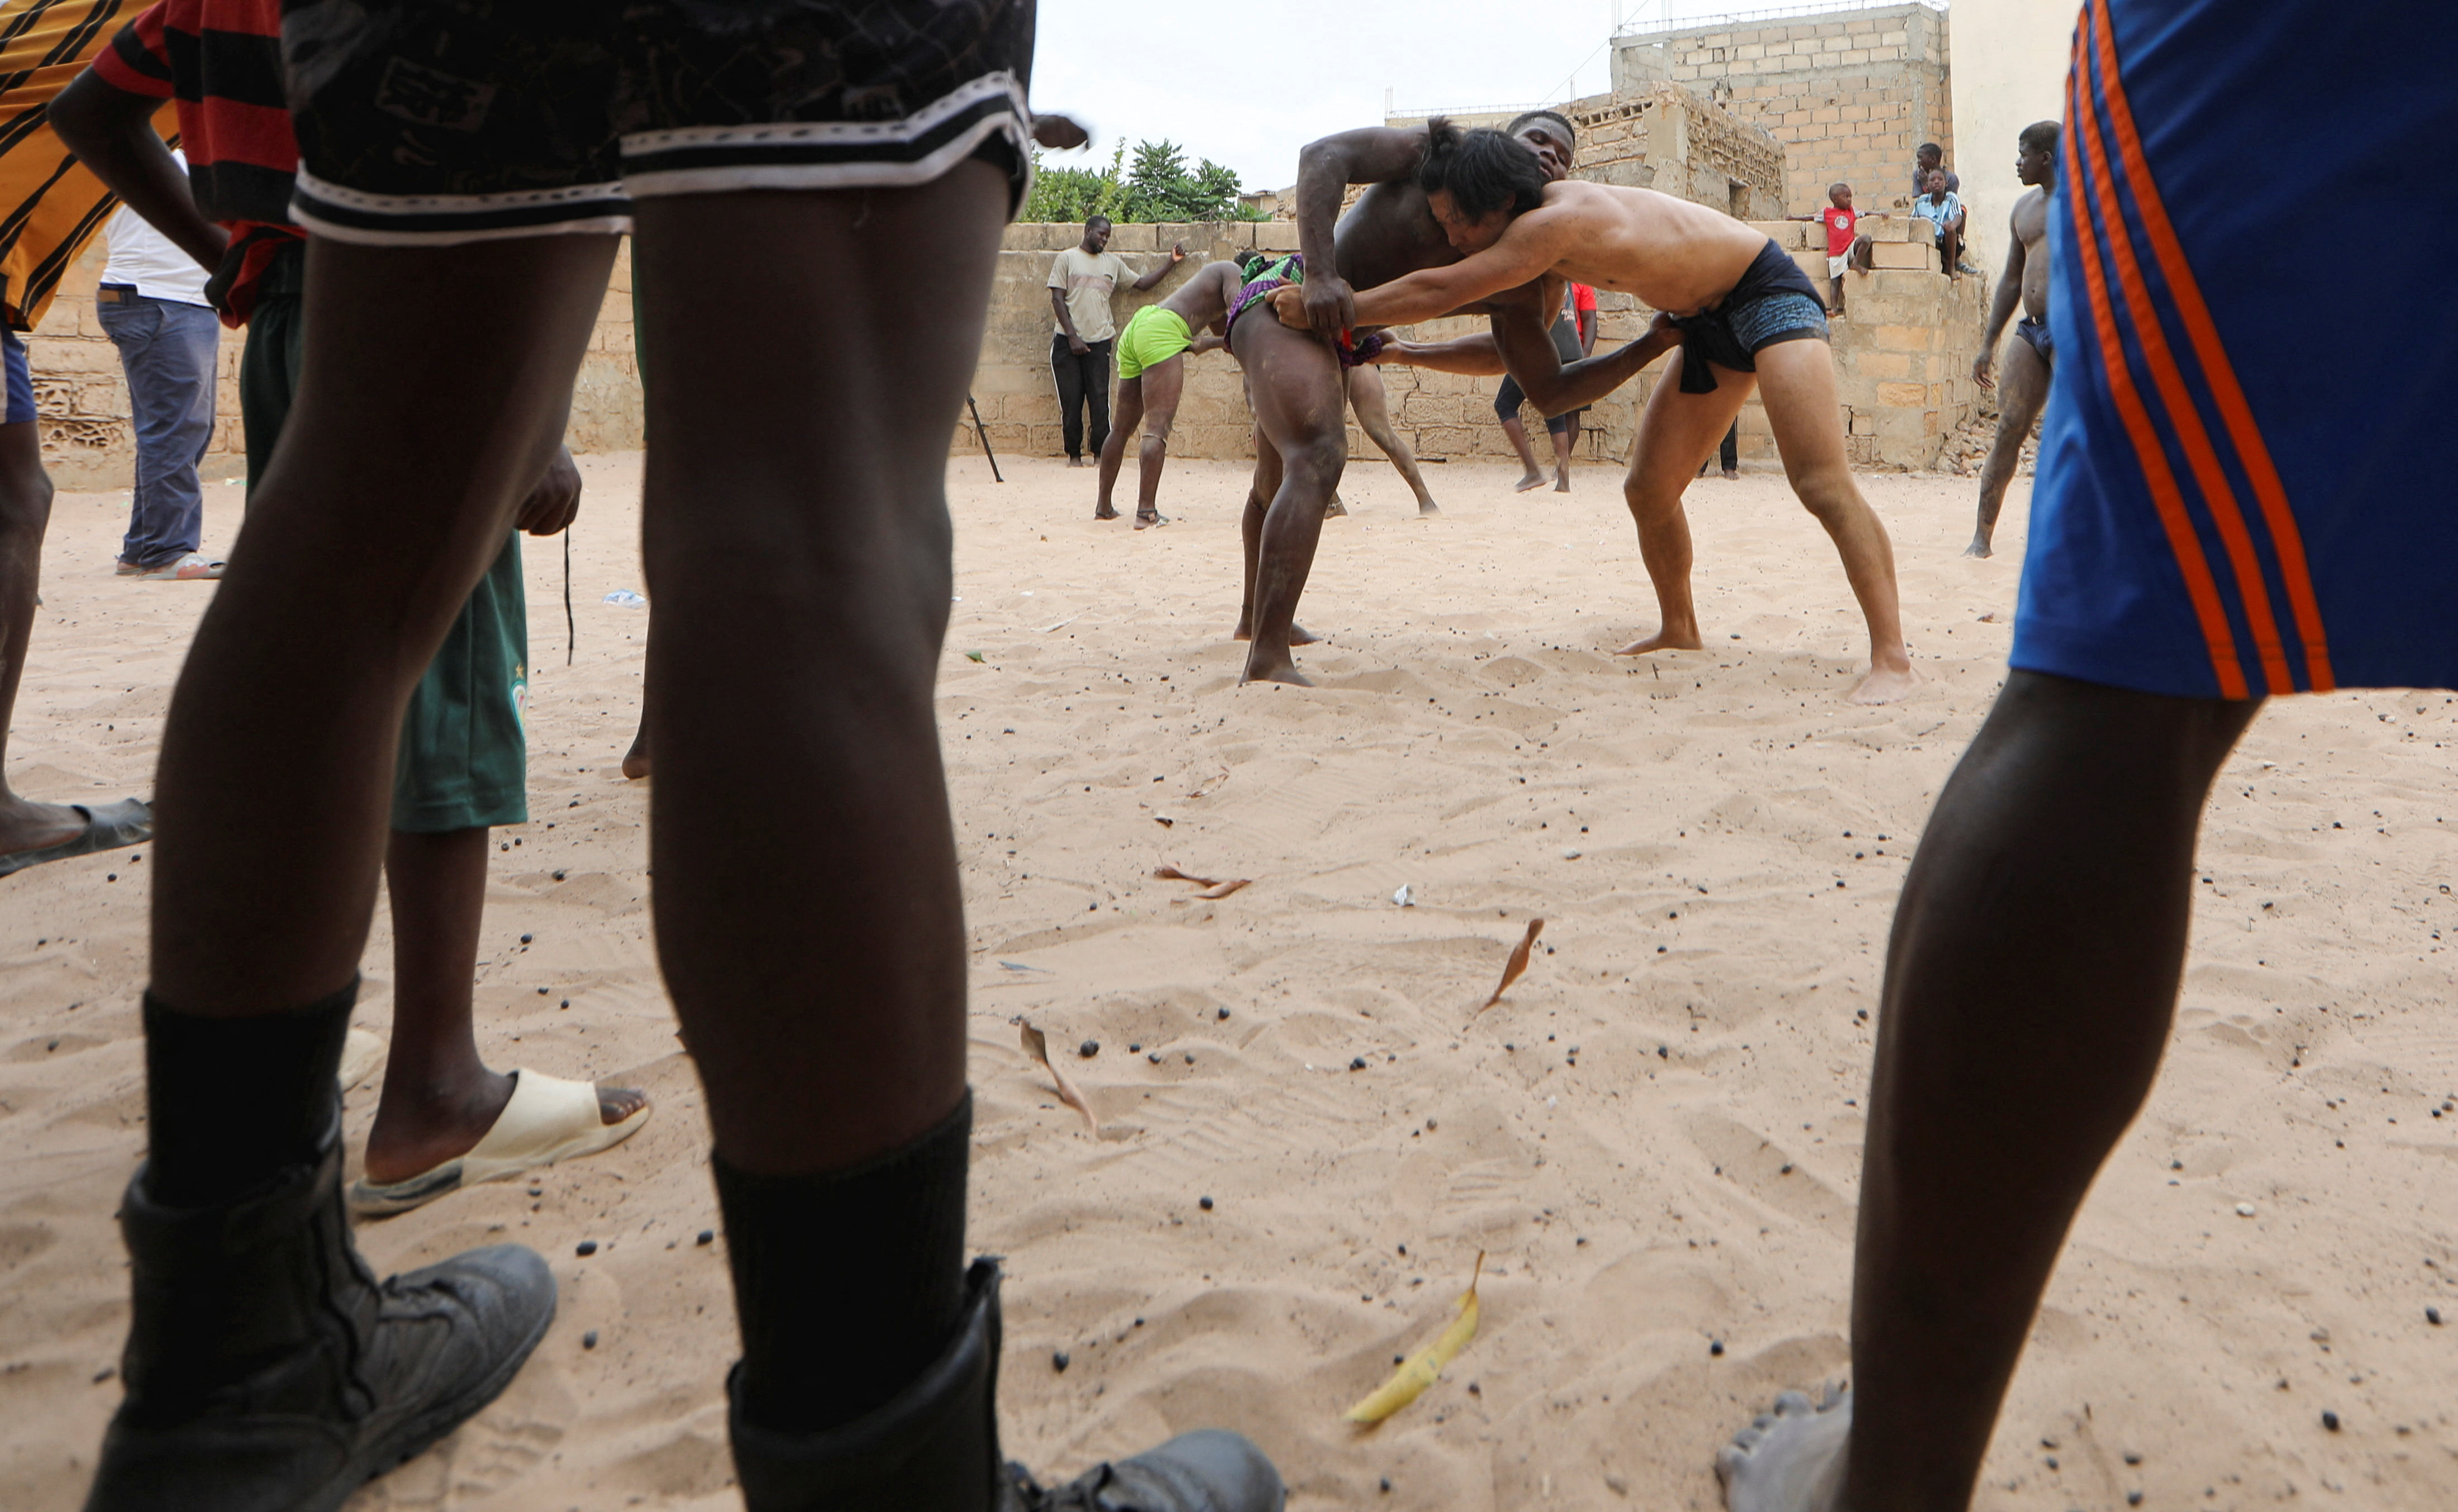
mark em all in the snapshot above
pixel 1655 1137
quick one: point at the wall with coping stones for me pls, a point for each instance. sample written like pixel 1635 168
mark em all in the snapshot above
pixel 1849 93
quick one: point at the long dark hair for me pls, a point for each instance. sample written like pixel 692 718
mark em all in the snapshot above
pixel 1482 169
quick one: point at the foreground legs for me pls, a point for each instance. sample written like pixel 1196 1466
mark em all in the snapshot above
pixel 2020 397
pixel 2030 979
pixel 24 514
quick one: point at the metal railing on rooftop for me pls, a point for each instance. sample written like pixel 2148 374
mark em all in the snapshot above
pixel 1659 26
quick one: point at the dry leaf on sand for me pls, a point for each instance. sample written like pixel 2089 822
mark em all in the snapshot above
pixel 1038 1045
pixel 1421 1369
pixel 1517 964
pixel 1225 889
pixel 1171 874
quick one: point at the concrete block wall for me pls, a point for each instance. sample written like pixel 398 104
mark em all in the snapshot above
pixel 1666 138
pixel 1850 94
pixel 81 391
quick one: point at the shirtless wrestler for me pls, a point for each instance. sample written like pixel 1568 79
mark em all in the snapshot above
pixel 1742 310
pixel 2033 358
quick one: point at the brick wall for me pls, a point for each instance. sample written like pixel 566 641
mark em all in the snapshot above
pixel 1849 93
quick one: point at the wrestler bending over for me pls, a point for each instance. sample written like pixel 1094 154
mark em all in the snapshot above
pixel 1745 315
pixel 1151 377
pixel 1294 375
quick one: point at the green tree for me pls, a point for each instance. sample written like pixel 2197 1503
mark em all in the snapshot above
pixel 1158 186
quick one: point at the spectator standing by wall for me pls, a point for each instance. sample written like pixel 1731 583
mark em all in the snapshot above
pixel 152 302
pixel 1081 281
pixel 1575 336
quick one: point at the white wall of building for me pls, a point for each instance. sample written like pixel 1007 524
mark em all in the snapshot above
pixel 2008 69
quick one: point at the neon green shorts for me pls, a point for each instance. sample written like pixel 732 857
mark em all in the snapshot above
pixel 1153 337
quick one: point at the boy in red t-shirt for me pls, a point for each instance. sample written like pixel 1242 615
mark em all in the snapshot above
pixel 1846 246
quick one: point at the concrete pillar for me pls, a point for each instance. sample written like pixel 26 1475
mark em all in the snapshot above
pixel 2008 69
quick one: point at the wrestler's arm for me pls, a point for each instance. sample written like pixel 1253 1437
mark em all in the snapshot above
pixel 1570 387
pixel 1557 388
pixel 1526 252
pixel 1372 154
pixel 2001 309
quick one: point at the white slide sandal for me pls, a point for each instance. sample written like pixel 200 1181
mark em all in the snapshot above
pixel 548 1119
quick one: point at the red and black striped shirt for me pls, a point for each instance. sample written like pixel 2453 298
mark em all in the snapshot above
pixel 221 61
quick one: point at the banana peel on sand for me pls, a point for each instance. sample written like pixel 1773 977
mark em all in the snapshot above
pixel 1409 1379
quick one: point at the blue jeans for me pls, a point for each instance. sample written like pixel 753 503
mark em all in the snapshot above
pixel 168 351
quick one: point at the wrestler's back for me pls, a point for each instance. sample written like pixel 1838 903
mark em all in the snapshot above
pixel 1674 255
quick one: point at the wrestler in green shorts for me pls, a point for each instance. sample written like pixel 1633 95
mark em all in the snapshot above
pixel 1153 337
pixel 463 759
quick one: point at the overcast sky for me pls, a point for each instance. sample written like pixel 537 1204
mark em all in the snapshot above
pixel 1248 85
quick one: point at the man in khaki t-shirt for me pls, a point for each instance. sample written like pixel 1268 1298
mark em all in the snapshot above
pixel 1080 284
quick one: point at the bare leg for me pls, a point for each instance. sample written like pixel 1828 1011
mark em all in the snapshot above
pixel 439 1098
pixel 275 789
pixel 1563 439
pixel 1158 391
pixel 1299 408
pixel 25 513
pixel 1675 437
pixel 825 1011
pixel 2021 391
pixel 1531 476
pixel 1259 503
pixel 1797 385
pixel 1369 401
pixel 2029 980
pixel 1113 449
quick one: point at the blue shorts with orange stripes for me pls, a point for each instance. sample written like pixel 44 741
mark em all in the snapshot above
pixel 2248 471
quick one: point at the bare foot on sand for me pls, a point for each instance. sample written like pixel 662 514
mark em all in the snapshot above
pixel 1666 639
pixel 1335 509
pixel 1535 480
pixel 635 761
pixel 1427 508
pixel 1978 548
pixel 1299 634
pixel 1561 482
pixel 1279 669
pixel 1886 684
pixel 1790 1459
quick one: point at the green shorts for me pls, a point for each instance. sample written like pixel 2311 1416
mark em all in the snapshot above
pixel 1153 337
pixel 464 762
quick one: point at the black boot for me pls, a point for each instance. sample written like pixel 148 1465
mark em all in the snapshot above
pixel 934 1448
pixel 268 1369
